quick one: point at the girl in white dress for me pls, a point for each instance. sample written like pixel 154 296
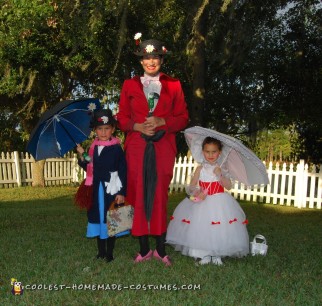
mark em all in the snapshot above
pixel 211 224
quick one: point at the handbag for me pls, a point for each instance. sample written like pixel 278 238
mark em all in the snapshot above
pixel 119 218
pixel 258 248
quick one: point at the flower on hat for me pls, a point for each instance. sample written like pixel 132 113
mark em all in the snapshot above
pixel 103 118
pixel 164 49
pixel 137 38
pixel 149 48
pixel 91 106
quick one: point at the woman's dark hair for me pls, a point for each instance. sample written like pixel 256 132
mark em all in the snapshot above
pixel 159 56
pixel 209 140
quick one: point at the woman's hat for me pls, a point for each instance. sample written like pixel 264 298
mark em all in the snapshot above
pixel 149 47
pixel 102 117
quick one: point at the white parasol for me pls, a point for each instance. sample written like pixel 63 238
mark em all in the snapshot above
pixel 242 164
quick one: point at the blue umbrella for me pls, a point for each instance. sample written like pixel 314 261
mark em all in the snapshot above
pixel 62 127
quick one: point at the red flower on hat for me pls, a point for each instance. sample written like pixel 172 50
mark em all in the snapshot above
pixel 232 221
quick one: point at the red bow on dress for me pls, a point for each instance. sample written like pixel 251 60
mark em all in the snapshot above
pixel 231 221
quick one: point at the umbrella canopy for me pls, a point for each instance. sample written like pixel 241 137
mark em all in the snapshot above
pixel 243 165
pixel 62 127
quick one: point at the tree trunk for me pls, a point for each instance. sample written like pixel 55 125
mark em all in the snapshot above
pixel 123 8
pixel 252 133
pixel 196 55
pixel 38 179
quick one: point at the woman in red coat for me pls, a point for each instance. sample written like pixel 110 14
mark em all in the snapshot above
pixel 152 110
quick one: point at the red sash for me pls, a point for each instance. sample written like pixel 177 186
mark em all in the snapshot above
pixel 211 188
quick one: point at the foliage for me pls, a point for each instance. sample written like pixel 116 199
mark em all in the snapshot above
pixel 264 66
pixel 245 66
pixel 47 247
pixel 51 51
pixel 274 145
pixel 10 133
pixel 311 136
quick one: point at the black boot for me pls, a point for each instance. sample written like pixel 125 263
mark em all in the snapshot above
pixel 144 245
pixel 160 245
pixel 101 246
pixel 110 243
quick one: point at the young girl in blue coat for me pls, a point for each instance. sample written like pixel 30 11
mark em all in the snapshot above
pixel 106 172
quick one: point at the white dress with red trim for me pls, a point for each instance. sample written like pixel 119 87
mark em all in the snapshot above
pixel 215 226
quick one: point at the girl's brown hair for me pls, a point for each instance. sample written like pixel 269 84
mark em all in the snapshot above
pixel 209 140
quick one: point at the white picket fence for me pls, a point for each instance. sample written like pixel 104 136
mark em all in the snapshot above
pixel 16 170
pixel 290 185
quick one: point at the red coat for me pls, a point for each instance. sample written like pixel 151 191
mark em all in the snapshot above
pixel 133 108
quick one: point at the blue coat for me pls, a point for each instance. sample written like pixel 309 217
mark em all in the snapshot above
pixel 111 159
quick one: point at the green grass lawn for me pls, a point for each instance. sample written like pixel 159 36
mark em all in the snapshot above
pixel 43 244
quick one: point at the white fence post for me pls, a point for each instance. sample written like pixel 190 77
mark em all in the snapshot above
pixel 75 169
pixel 290 185
pixel 300 189
pixel 17 165
pixel 319 191
pixel 269 186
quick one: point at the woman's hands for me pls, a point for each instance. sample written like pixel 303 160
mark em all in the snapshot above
pixel 154 122
pixel 149 125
